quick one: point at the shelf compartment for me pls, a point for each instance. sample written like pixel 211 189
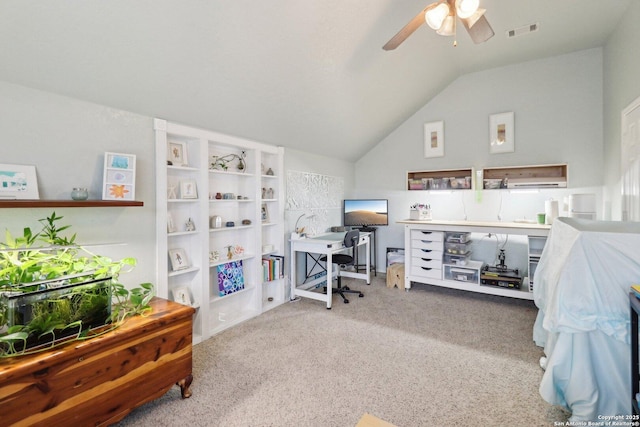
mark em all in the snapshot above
pixel 226 260
pixel 235 227
pixel 536 176
pixel 221 172
pixel 446 179
pixel 183 271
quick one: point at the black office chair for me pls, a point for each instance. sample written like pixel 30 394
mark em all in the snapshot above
pixel 342 260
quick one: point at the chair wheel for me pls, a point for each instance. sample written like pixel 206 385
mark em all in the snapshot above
pixel 346 301
pixel 361 295
pixel 346 288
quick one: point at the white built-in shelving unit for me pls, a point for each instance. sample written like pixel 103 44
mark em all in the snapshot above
pixel 251 197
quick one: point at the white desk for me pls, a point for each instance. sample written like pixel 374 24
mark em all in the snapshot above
pixel 415 272
pixel 326 244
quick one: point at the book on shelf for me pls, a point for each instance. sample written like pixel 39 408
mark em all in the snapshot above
pixel 230 277
pixel 272 267
pixel 636 290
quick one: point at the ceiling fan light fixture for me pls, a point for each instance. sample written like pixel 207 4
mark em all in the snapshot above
pixel 471 20
pixel 466 8
pixel 436 16
pixel 448 27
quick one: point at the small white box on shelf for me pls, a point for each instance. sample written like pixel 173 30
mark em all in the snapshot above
pixel 420 214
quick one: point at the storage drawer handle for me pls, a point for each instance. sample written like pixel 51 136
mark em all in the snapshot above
pixel 426 250
pixel 426 268
pixel 426 241
pixel 426 259
pixel 427 232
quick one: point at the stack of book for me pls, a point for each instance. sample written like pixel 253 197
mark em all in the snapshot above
pixel 272 267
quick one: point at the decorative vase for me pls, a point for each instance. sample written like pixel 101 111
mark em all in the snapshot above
pixel 79 193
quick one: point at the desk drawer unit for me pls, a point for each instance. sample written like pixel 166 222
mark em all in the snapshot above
pixel 436 236
pixel 432 261
pixel 426 272
pixel 426 254
pixel 426 244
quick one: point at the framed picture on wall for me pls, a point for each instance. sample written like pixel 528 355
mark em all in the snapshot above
pixel 264 213
pixel 501 133
pixel 18 182
pixel 119 176
pixel 434 139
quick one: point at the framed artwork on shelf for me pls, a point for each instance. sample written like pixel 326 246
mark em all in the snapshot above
pixel 181 295
pixel 179 260
pixel 188 189
pixel 230 277
pixel 119 176
pixel 171 227
pixel 501 133
pixel 177 154
pixel 434 139
pixel 264 213
pixel 18 182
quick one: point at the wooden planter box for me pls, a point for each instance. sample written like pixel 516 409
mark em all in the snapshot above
pixel 100 380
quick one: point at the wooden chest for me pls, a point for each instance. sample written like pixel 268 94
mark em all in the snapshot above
pixel 100 380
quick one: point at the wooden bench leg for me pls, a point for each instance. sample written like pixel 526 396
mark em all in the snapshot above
pixel 184 386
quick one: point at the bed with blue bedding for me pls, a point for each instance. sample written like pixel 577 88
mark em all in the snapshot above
pixel 581 289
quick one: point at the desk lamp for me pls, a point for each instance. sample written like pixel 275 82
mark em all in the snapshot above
pixel 299 232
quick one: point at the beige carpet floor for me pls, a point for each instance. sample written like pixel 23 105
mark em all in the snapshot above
pixel 427 357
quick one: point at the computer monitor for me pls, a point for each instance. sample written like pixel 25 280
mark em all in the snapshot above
pixel 365 212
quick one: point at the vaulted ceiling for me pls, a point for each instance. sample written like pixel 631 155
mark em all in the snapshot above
pixel 309 75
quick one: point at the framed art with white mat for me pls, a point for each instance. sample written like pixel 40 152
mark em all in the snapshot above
pixel 119 179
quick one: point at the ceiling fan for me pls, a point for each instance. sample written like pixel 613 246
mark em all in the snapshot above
pixel 441 16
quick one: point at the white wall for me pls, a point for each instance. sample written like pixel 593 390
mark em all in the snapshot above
pixel 558 106
pixel 621 87
pixel 295 160
pixel 66 139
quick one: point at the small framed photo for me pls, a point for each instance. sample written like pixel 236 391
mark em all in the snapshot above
pixel 188 189
pixel 171 227
pixel 177 154
pixel 434 139
pixel 179 260
pixel 119 177
pixel 18 182
pixel 264 213
pixel 181 295
pixel 501 133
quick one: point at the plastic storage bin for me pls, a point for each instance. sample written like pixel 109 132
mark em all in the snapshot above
pixel 469 273
pixel 457 248
pixel 456 259
pixel 456 237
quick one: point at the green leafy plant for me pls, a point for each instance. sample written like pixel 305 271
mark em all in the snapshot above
pixel 26 267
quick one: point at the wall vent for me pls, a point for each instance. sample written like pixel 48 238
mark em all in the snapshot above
pixel 525 29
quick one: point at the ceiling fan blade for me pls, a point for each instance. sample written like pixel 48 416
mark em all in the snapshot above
pixel 478 27
pixel 408 29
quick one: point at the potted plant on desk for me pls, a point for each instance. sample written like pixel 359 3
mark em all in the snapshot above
pixel 60 291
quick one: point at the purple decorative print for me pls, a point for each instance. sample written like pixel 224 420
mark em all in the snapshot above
pixel 230 277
